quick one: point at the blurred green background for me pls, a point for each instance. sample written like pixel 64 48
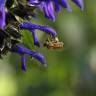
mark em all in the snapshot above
pixel 71 71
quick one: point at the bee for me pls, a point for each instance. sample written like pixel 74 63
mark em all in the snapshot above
pixel 53 43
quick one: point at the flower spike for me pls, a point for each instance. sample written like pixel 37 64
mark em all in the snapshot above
pixel 14 13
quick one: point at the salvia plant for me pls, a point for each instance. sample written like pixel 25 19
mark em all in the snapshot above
pixel 15 16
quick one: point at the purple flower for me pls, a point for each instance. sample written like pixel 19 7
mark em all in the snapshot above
pixel 48 6
pixel 23 63
pixel 36 41
pixel 33 2
pixel 79 3
pixel 22 51
pixel 32 27
pixel 2 14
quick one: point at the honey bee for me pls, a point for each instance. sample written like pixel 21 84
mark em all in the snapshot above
pixel 53 43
